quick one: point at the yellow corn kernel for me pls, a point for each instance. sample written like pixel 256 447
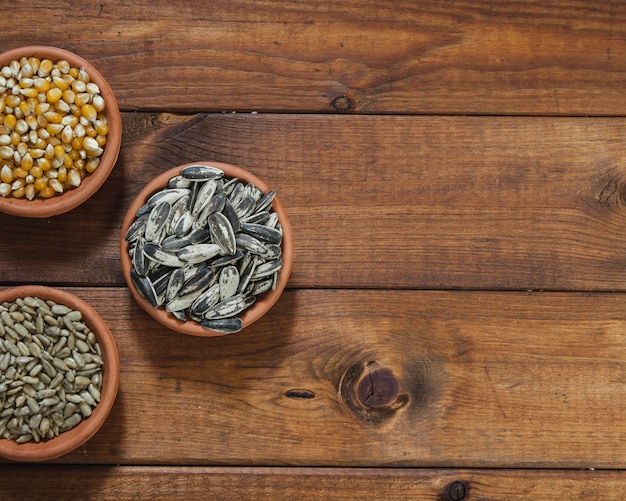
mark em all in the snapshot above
pixel 36 171
pixel 78 86
pixel 83 76
pixel 101 128
pixel 42 122
pixel 63 65
pixel 62 106
pixel 81 99
pixel 62 174
pixel 19 172
pixel 20 182
pixel 32 122
pixel 79 164
pixel 25 165
pixel 74 72
pixel 53 117
pixel 34 63
pixel 93 88
pixel 70 120
pixel 92 165
pixel 45 67
pixel 91 131
pixel 56 185
pixel 90 144
pixel 79 130
pixel 25 108
pixel 36 152
pixel 59 151
pixel 29 92
pixel 41 183
pixel 27 70
pixel 44 164
pixel 98 102
pixel 15 138
pixel 49 152
pixel 6 174
pixel 46 192
pixel 54 94
pixel 77 143
pixel 22 148
pixel 68 161
pixel 41 84
pixel 21 126
pixel 29 191
pixel 12 100
pixel 54 129
pixel 67 134
pixel 41 108
pixel 102 140
pixel 3 104
pixel 60 83
pixel 19 193
pixel 69 96
pixel 74 154
pixel 25 82
pixel 44 134
pixel 74 178
pixel 6 152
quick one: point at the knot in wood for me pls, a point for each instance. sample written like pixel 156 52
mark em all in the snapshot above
pixel 341 103
pixel 372 392
pixel 457 491
pixel 377 388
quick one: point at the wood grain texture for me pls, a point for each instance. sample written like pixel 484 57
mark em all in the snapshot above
pixel 454 326
pixel 373 379
pixel 378 201
pixel 165 483
pixel 493 57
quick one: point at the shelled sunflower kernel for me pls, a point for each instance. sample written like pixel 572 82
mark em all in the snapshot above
pixel 53 127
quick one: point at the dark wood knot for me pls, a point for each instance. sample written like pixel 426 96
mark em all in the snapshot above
pixel 456 491
pixel 372 392
pixel 341 103
pixel 377 388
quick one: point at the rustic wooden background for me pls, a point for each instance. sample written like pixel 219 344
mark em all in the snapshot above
pixel 454 326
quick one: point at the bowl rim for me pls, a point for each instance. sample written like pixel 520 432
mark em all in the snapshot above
pixel 79 435
pixel 60 204
pixel 262 305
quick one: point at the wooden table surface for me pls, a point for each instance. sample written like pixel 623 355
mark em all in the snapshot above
pixel 455 173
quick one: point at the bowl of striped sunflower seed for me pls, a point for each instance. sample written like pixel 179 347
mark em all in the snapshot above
pixel 60 131
pixel 59 372
pixel 206 248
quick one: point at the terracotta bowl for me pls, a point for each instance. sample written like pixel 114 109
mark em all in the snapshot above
pixel 77 436
pixel 263 302
pixel 70 199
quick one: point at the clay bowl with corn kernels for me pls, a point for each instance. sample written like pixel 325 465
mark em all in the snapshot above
pixel 60 131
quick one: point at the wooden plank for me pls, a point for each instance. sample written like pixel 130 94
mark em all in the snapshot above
pixel 156 483
pixel 378 201
pixel 374 378
pixel 362 56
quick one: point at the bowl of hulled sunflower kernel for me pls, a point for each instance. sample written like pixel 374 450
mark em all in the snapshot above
pixel 60 131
